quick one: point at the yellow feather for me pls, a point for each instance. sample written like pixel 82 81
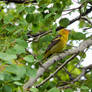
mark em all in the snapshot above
pixel 58 44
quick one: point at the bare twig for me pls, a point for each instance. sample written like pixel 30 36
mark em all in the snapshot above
pixel 77 7
pixel 87 20
pixel 83 14
pixel 87 28
pixel 38 36
pixel 52 60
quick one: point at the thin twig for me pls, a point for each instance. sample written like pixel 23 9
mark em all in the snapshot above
pixel 77 7
pixel 60 27
pixel 58 69
pixel 87 20
pixel 87 28
pixel 81 60
pixel 84 71
pixel 69 74
pixel 53 59
pixel 36 38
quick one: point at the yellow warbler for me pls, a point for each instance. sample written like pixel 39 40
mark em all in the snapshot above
pixel 57 44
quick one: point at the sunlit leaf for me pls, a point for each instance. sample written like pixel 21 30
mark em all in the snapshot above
pixel 68 90
pixel 19 49
pixel 77 35
pixel 54 90
pixel 18 83
pixel 15 69
pixel 34 90
pixel 31 72
pixel 8 18
pixel 7 57
pixel 29 58
pixel 7 88
pixel 22 43
pixel 30 9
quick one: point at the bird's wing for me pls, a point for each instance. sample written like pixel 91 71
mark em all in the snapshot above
pixel 53 42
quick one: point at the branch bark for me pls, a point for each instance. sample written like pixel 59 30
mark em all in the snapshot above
pixel 83 73
pixel 87 20
pixel 58 69
pixel 78 18
pixel 52 60
pixel 36 36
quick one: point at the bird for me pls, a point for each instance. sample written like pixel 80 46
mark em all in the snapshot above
pixel 58 43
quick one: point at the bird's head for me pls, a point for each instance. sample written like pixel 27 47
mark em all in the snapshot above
pixel 64 31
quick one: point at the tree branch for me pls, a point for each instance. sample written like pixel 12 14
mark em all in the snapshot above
pixel 58 69
pixel 83 14
pixel 36 36
pixel 84 71
pixel 87 20
pixel 52 60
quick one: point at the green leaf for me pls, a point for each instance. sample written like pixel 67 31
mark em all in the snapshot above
pixel 18 70
pixel 20 9
pixel 7 57
pixel 7 76
pixel 54 29
pixel 19 49
pixel 7 88
pixel 10 57
pixel 77 35
pixel 0 17
pixel 47 16
pixel 29 58
pixel 34 90
pixel 11 28
pixel 37 18
pixel 18 83
pixel 64 22
pixel 30 9
pixel 30 18
pixel 11 51
pixel 81 24
pixel 84 88
pixel 35 28
pixel 31 72
pixel 22 43
pixel 39 57
pixel 1 76
pixel 1 90
pixel 82 54
pixel 54 90
pixel 8 18
pixel 68 90
pixel 76 71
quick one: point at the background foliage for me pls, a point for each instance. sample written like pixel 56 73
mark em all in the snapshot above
pixel 17 64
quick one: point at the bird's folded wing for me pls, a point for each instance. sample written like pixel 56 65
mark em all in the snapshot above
pixel 53 42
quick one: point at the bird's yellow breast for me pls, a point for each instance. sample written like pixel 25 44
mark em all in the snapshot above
pixel 60 45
